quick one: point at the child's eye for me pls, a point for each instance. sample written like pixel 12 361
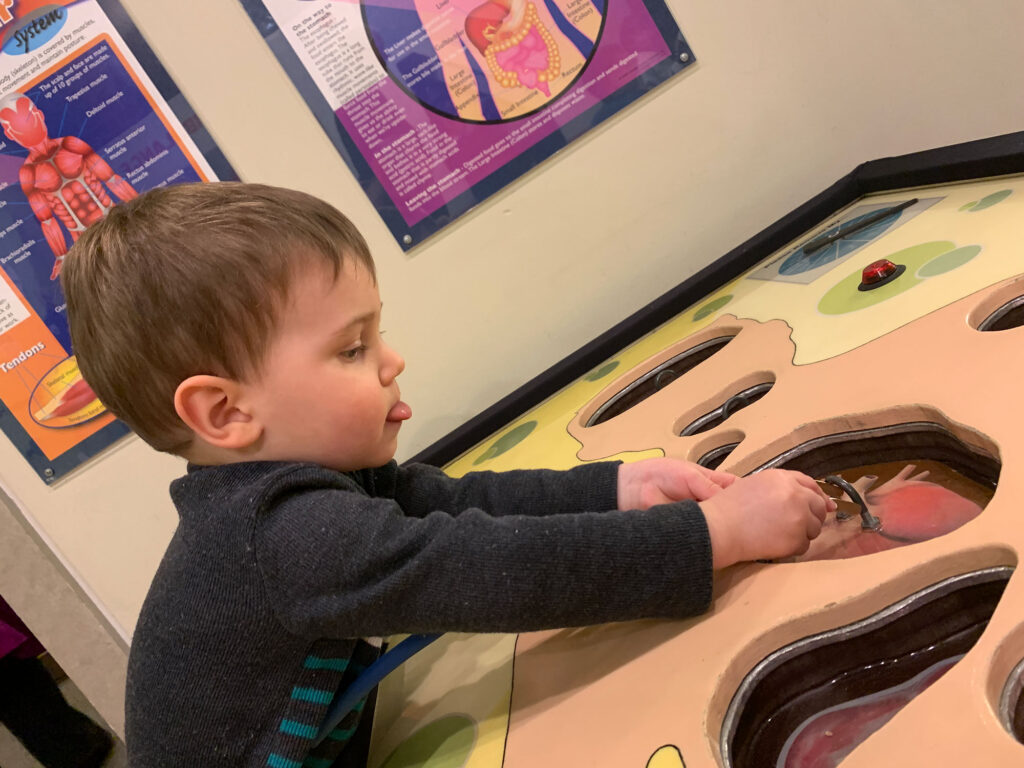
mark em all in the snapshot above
pixel 353 353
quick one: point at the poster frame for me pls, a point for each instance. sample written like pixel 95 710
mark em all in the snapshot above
pixel 50 470
pixel 410 236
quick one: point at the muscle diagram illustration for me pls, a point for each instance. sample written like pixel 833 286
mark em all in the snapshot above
pixel 518 48
pixel 63 178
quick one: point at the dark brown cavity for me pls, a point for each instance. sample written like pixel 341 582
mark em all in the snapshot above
pixel 879 653
pixel 657 379
pixel 885 450
pixel 714 458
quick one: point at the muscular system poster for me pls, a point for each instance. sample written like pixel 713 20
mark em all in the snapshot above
pixel 438 104
pixel 87 119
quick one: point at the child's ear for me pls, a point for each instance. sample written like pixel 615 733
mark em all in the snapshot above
pixel 214 409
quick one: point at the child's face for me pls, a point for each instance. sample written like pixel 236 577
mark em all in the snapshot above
pixel 328 392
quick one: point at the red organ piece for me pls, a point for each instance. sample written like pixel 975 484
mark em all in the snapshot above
pixel 911 510
pixel 877 271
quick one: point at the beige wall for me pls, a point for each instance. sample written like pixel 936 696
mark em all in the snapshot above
pixel 785 98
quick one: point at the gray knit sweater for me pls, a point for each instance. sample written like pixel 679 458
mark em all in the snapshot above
pixel 251 623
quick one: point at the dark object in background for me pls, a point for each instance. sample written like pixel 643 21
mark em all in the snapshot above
pixel 35 711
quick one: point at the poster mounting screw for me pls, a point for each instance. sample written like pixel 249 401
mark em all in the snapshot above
pixel 684 57
pixel 407 239
pixel 48 472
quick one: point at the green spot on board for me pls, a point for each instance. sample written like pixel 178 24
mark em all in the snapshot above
pixel 947 262
pixel 844 296
pixel 444 743
pixel 968 206
pixel 712 306
pixel 599 373
pixel 506 442
pixel 989 200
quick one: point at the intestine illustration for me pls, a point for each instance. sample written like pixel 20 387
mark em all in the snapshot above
pixel 518 48
pixel 486 61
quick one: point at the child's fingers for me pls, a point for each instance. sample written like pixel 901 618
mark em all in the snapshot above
pixel 718 477
pixel 702 487
pixel 814 526
pixel 810 483
pixel 820 507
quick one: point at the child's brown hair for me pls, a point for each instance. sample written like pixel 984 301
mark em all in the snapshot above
pixel 188 280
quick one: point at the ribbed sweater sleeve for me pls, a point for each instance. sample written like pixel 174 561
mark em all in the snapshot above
pixel 337 563
pixel 421 489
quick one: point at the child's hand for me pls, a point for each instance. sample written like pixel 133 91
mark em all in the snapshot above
pixel 643 484
pixel 773 514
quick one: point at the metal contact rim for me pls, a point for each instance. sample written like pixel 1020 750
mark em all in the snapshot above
pixel 1011 693
pixel 697 425
pixel 714 453
pixel 892 429
pixel 1000 313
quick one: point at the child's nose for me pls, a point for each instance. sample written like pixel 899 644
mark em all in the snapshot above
pixel 393 364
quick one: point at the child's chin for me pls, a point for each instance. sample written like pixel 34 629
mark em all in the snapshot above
pixel 367 461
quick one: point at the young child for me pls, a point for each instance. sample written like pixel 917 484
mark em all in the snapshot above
pixel 239 326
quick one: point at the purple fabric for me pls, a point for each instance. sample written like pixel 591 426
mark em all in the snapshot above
pixel 15 637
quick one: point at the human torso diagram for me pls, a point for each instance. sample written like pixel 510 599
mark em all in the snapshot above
pixel 68 184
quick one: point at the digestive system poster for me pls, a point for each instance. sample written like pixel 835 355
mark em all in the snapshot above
pixel 437 104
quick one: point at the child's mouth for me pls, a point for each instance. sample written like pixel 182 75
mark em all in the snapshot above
pixel 399 412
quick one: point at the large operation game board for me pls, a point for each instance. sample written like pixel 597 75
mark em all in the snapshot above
pixel 874 336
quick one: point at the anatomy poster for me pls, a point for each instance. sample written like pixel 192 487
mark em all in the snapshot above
pixel 86 125
pixel 437 104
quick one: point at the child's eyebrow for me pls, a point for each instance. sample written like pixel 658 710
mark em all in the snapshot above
pixel 358 320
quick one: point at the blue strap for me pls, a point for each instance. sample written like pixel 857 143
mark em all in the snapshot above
pixel 369 678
